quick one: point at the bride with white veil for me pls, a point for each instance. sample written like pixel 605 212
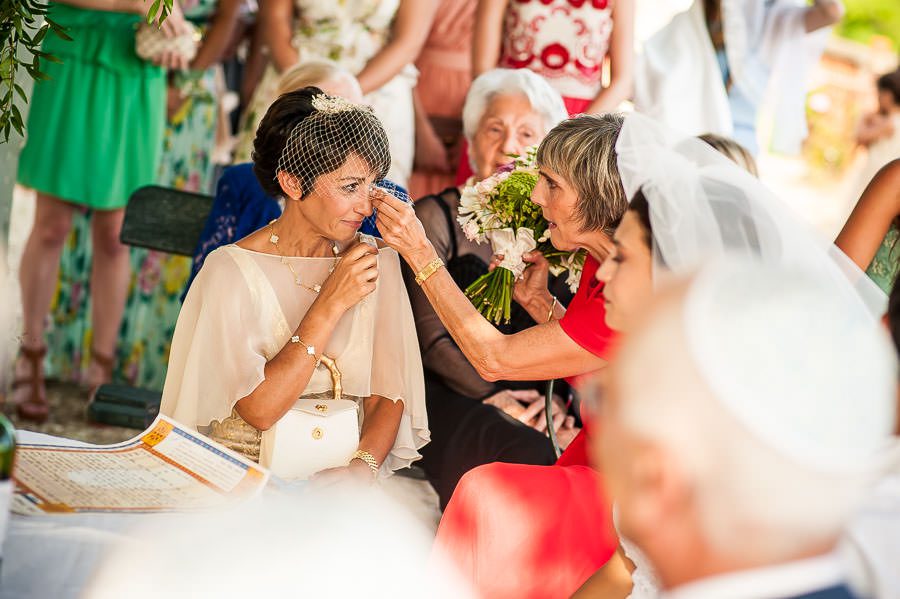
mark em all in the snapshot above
pixel 690 205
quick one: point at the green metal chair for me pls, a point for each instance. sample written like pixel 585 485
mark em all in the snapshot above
pixel 166 220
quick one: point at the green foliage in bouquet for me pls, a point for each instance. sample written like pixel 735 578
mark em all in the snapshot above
pixel 500 209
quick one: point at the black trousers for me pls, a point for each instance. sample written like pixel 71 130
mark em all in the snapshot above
pixel 466 433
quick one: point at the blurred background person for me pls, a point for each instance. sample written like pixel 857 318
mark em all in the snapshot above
pixel 445 73
pixel 709 69
pixel 731 150
pixel 377 41
pixel 879 131
pixel 569 43
pixel 730 466
pixel 870 235
pixel 157 279
pixel 95 135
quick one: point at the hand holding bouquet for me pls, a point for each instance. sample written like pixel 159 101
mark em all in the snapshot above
pixel 499 209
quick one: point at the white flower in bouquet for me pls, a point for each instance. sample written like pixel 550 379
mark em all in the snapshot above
pixel 499 209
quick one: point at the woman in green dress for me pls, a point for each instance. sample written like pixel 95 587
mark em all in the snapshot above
pixel 870 236
pixel 157 280
pixel 94 135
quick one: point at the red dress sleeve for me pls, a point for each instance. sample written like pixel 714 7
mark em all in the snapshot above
pixel 585 324
pixel 585 319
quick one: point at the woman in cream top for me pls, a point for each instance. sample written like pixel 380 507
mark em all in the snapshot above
pixel 264 311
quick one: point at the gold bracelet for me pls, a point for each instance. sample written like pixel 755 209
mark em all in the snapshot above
pixel 430 268
pixel 552 308
pixel 368 458
pixel 310 349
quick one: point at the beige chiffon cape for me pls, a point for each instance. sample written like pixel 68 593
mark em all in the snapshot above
pixel 244 306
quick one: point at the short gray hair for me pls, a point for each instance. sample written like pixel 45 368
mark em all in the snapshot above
pixel 582 150
pixel 545 100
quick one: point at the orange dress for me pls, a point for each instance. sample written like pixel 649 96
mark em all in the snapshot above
pixel 445 72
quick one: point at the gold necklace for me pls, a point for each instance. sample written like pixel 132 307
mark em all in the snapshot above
pixel 273 239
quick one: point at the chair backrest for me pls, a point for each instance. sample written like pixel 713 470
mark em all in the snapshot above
pixel 165 219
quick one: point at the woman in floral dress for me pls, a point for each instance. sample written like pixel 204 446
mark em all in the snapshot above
pixel 157 279
pixel 376 40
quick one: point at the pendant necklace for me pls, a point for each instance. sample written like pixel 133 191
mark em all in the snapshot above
pixel 273 239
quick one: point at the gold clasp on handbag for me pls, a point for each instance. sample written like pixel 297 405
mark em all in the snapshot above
pixel 317 433
pixel 320 407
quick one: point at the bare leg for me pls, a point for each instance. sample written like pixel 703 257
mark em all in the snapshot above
pixel 110 272
pixel 38 272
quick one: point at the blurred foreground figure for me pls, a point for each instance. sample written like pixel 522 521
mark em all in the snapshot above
pixel 755 437
pixel 332 542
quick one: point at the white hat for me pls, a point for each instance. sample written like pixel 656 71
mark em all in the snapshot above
pixel 798 364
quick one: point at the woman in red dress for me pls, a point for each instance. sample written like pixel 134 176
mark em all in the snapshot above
pixel 533 532
pixel 565 41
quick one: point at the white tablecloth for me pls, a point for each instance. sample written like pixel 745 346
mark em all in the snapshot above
pixel 54 557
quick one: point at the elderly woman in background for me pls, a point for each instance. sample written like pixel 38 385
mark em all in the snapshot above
pixel 505 112
pixel 536 549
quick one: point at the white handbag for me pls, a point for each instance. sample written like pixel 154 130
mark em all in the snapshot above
pixel 315 434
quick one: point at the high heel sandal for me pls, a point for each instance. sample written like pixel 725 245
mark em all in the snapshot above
pixel 36 407
pixel 107 365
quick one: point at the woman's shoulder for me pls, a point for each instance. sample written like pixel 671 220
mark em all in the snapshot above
pixel 220 265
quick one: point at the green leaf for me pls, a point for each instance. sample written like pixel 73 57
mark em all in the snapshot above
pixel 59 30
pixel 39 36
pixel 20 91
pixel 154 8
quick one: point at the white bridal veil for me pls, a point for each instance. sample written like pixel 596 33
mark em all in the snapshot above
pixel 703 205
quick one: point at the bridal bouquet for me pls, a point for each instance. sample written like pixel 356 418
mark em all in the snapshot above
pixel 499 210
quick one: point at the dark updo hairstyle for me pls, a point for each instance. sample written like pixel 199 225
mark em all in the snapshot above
pixel 319 149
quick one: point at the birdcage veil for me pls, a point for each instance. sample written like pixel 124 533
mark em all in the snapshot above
pixel 702 206
pixel 337 136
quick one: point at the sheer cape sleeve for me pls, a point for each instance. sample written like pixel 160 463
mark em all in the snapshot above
pixel 218 354
pixel 244 307
pixel 396 372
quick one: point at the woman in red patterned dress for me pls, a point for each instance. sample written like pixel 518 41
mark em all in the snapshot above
pixel 566 41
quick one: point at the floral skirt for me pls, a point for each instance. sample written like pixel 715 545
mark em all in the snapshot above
pixel 157 279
